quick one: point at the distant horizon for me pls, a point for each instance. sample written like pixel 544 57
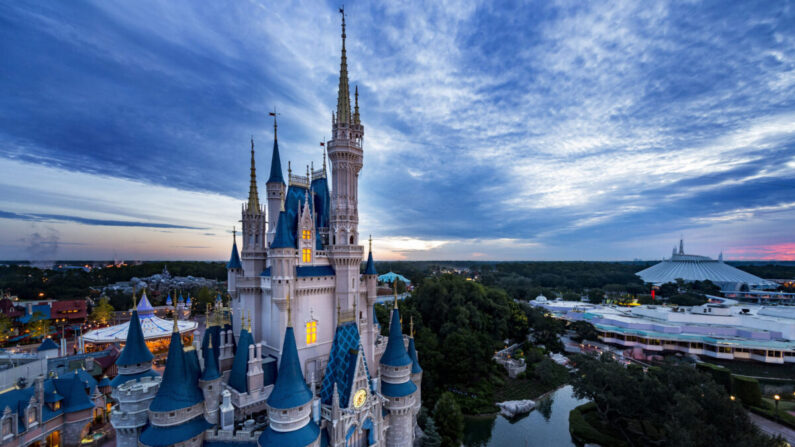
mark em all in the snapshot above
pixel 485 261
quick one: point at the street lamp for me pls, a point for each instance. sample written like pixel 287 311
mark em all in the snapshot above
pixel 777 398
pixel 732 397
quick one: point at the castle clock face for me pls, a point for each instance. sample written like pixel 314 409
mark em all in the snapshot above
pixel 359 398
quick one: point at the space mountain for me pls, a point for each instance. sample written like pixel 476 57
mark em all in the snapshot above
pixel 295 357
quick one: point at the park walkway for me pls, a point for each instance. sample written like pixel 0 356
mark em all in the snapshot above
pixel 773 428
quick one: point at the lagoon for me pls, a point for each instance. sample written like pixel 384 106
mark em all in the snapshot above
pixel 547 425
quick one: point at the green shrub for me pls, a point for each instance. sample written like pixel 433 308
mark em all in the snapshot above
pixel 720 374
pixel 584 432
pixel 747 390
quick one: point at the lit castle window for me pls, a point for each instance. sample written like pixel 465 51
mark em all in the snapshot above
pixel 306 234
pixel 311 332
pixel 307 255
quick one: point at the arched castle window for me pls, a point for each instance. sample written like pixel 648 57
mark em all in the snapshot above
pixel 307 255
pixel 351 240
pixel 311 332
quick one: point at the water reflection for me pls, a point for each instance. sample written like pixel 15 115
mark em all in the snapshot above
pixel 548 425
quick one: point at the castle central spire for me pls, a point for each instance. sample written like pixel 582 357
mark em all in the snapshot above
pixel 343 95
pixel 253 197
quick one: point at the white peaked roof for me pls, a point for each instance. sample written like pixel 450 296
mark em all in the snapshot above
pixel 152 326
pixel 700 268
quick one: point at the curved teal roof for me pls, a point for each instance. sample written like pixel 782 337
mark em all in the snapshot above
pixel 395 353
pixel 290 390
pixel 415 363
pixel 390 277
pixel 237 377
pixel 155 436
pixel 179 388
pixel 234 258
pixel 135 350
pixel 397 389
pixel 276 165
pixel 302 437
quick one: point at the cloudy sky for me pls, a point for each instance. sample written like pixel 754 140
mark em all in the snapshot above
pixel 493 130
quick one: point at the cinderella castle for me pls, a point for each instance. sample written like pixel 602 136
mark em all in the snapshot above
pixel 296 358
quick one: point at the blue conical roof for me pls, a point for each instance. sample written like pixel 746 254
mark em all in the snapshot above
pixel 237 378
pixel 135 350
pixel 370 268
pixel 395 353
pixel 210 366
pixel 168 300
pixel 290 390
pixel 179 388
pixel 276 165
pixel 47 345
pixel 375 318
pixel 283 238
pixel 181 299
pixel 415 364
pixel 234 259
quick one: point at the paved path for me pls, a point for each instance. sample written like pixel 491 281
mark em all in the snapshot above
pixel 773 428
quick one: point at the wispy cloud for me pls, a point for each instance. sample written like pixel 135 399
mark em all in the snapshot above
pixel 571 129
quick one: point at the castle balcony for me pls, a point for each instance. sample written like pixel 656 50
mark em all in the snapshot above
pixel 250 402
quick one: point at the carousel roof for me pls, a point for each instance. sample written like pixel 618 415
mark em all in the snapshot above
pixel 151 325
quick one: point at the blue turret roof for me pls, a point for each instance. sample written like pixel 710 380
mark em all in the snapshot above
pixel 181 299
pixel 47 345
pixel 395 353
pixel 104 382
pixel 302 437
pixel 375 318
pixel 237 378
pixel 290 389
pixel 89 382
pixel 214 333
pixel 210 366
pixel 415 364
pixel 370 268
pixel 155 436
pixel 187 301
pixel 234 259
pixel 168 299
pixel 178 389
pixel 398 389
pixel 135 350
pixel 284 237
pixel 276 165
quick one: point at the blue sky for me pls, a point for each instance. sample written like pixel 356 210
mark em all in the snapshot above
pixel 493 130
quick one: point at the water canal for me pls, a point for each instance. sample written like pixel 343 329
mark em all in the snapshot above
pixel 547 425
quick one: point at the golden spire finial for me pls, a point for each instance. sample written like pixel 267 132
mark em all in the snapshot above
pixel 210 344
pixel 371 243
pixel 289 169
pixel 275 126
pixel 338 312
pixel 308 173
pixel 176 327
pixel 411 326
pixel 289 311
pixel 135 305
pixel 394 287
pixel 248 321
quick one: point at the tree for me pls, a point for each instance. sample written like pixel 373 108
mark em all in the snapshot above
pixel 102 312
pixel 584 331
pixel 5 328
pixel 671 405
pixel 449 419
pixel 38 327
pixel 550 373
pixel 432 437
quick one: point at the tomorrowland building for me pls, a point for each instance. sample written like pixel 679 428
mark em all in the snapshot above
pixel 296 358
pixel 700 268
